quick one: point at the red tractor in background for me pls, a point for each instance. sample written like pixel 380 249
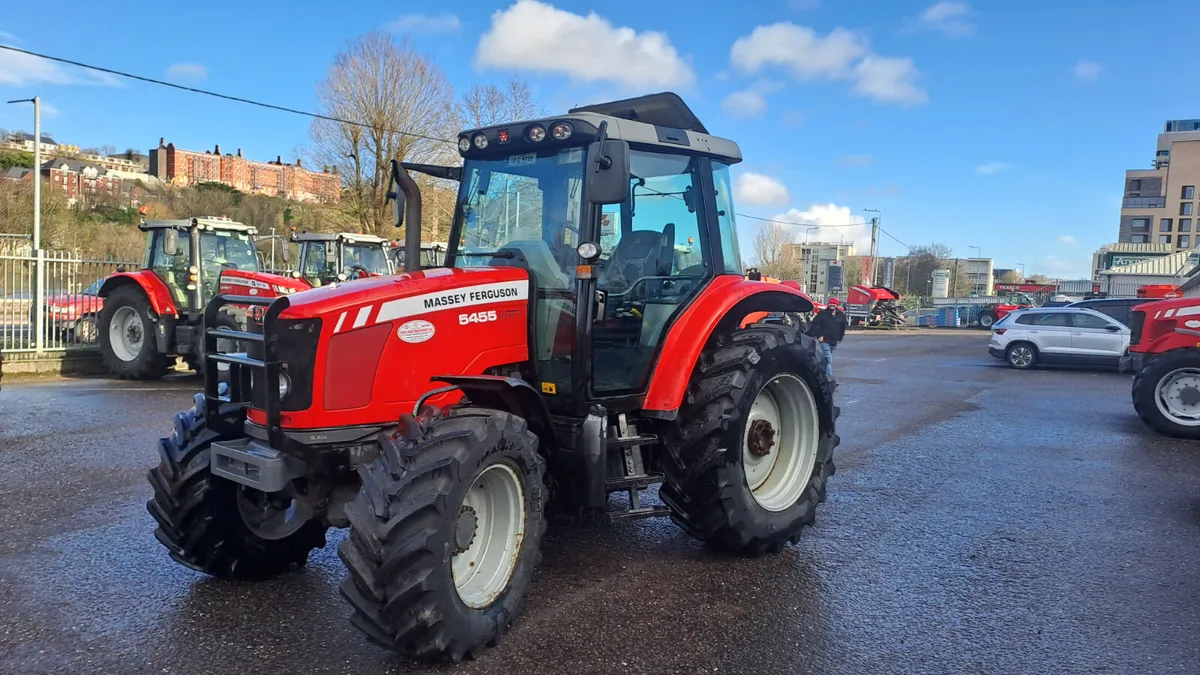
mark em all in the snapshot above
pixel 1164 345
pixel 324 259
pixel 150 316
pixel 437 414
pixel 874 306
pixel 1009 302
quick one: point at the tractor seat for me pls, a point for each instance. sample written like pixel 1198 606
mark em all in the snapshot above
pixel 640 253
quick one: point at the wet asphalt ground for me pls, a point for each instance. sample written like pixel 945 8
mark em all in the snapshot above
pixel 982 520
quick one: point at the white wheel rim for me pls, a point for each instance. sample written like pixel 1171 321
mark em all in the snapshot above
pixel 126 333
pixel 487 534
pixel 1021 357
pixel 786 407
pixel 1178 396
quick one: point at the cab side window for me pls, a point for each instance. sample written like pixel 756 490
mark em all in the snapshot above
pixel 172 269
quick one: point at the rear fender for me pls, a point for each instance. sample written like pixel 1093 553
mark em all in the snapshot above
pixel 510 395
pixel 156 291
pixel 720 309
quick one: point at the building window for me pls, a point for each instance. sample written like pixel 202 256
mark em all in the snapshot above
pixel 1135 185
pixel 1185 224
pixel 1185 241
pixel 1185 209
pixel 1164 238
pixel 1164 225
pixel 1140 225
pixel 1140 239
pixel 1189 192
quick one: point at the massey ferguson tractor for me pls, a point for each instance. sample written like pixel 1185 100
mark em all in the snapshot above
pixel 874 306
pixel 439 414
pixel 324 259
pixel 155 314
pixel 1164 346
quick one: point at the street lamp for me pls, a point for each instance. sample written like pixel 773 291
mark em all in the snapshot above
pixel 807 231
pixel 978 251
pixel 39 289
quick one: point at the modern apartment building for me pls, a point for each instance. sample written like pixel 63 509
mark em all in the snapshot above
pixel 814 264
pixel 1160 204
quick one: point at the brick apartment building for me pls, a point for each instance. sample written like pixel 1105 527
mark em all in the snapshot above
pixel 180 167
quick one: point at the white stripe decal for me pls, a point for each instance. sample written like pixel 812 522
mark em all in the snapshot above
pixel 341 319
pixel 362 316
pixel 1169 313
pixel 469 296
pixel 1187 311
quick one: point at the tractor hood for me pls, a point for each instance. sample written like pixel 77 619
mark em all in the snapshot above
pixel 377 299
pixel 244 282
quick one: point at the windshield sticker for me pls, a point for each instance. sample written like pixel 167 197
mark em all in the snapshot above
pixel 572 156
pixel 522 160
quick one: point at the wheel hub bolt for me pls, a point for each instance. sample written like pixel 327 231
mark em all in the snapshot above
pixel 762 438
pixel 464 529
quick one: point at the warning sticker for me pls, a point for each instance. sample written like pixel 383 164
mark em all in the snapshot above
pixel 415 331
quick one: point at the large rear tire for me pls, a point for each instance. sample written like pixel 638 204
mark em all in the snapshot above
pixel 748 461
pixel 987 319
pixel 445 534
pixel 204 521
pixel 1166 393
pixel 127 343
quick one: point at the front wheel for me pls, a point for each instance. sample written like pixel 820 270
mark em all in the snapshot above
pixel 1021 356
pixel 445 534
pixel 748 461
pixel 987 320
pixel 1166 393
pixel 126 332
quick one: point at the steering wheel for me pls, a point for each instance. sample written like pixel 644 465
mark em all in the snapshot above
pixel 358 272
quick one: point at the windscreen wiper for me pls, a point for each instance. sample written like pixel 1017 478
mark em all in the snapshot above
pixel 493 254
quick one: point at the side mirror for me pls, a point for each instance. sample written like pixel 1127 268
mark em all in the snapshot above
pixel 1112 327
pixel 607 180
pixel 170 242
pixel 396 197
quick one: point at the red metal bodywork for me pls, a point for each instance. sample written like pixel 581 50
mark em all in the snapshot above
pixel 438 322
pixel 160 296
pixel 1169 324
pixel 261 284
pixel 867 295
pixel 1167 291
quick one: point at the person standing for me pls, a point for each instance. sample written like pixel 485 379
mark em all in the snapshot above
pixel 829 327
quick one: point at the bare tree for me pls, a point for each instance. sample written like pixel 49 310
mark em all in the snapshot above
pixel 108 150
pixel 775 252
pixel 1011 277
pixel 485 105
pixel 405 104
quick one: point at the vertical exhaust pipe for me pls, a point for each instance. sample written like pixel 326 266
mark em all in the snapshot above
pixel 406 207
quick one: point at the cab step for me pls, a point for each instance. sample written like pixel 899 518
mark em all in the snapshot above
pixel 640 514
pixel 644 480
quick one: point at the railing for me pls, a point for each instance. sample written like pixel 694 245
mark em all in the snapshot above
pixel 64 287
pixel 1144 202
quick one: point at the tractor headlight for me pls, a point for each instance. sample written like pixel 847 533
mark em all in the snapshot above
pixel 285 385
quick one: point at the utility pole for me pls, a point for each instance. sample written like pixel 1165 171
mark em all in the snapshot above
pixel 39 293
pixel 870 280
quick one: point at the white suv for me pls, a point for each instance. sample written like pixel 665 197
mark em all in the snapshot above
pixel 1027 337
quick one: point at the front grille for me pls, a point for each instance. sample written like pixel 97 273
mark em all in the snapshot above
pixel 1136 321
pixel 295 343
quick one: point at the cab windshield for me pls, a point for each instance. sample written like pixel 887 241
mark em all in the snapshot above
pixel 523 210
pixel 227 250
pixel 370 257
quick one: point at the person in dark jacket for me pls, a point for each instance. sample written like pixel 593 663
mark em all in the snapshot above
pixel 829 327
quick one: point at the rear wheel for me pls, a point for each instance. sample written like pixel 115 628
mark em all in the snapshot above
pixel 1021 356
pixel 748 462
pixel 126 333
pixel 1166 393
pixel 85 329
pixel 445 534
pixel 216 526
pixel 987 320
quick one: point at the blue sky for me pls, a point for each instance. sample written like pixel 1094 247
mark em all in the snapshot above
pixel 1003 125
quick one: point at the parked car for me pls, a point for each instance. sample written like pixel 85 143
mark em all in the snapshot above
pixel 73 314
pixel 1027 337
pixel 1118 308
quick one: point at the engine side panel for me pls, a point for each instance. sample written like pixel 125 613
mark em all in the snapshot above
pixel 439 322
pixel 1169 324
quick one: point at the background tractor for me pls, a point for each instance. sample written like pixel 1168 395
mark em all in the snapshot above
pixel 437 414
pixel 1164 345
pixel 324 259
pixel 874 306
pixel 155 314
pixel 990 313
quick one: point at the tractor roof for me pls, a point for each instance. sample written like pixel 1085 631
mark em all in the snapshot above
pixel 203 222
pixel 350 237
pixel 662 120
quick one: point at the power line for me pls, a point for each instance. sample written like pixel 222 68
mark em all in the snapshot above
pixel 895 239
pixel 789 222
pixel 227 97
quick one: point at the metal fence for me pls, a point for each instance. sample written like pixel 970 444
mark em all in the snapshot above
pixel 64 286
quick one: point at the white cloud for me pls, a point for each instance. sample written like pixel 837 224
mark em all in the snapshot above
pixel 1066 240
pixel 1087 71
pixel 17 69
pixel 755 189
pixel 834 224
pixel 951 18
pixel 799 49
pixel 992 168
pixel 889 80
pixel 8 37
pixel 855 160
pixel 192 72
pixel 426 23
pixel 745 103
pixel 533 35
pixel 840 55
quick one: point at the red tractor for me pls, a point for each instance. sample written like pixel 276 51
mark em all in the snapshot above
pixel 1009 302
pixel 437 414
pixel 152 315
pixel 874 306
pixel 324 259
pixel 1164 346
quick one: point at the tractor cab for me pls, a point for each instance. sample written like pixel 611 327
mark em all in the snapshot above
pixel 189 256
pixel 432 254
pixel 323 259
